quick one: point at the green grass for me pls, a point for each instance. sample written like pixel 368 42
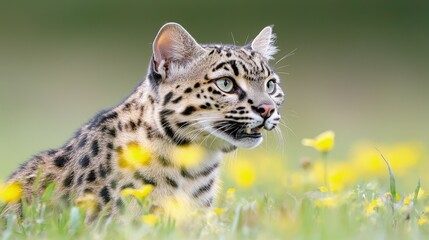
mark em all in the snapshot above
pixel 363 200
pixel 309 215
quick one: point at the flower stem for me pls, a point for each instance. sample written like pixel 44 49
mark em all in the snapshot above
pixel 325 168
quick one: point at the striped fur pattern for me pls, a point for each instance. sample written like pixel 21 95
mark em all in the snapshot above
pixel 180 102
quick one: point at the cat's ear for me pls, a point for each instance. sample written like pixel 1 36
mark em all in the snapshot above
pixel 174 44
pixel 264 43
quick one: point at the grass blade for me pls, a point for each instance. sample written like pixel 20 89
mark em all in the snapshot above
pixel 391 176
pixel 416 192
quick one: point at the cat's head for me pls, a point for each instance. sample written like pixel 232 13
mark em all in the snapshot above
pixel 223 91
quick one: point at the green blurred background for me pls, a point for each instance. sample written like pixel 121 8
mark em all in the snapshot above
pixel 360 68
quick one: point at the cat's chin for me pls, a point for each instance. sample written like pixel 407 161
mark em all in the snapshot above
pixel 247 142
pixel 242 142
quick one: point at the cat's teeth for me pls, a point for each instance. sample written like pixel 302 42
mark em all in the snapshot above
pixel 248 130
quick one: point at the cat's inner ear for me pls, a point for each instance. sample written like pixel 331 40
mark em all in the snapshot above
pixel 174 44
pixel 264 43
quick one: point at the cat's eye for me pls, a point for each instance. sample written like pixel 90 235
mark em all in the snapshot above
pixel 225 84
pixel 271 86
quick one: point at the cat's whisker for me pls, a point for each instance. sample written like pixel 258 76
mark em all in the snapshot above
pixel 291 53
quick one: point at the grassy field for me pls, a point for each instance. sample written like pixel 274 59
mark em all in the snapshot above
pixel 357 198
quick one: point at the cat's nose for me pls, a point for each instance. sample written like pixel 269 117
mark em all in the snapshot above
pixel 265 110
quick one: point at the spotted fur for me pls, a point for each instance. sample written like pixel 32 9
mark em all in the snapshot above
pixel 179 103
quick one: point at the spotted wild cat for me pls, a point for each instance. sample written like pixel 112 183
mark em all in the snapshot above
pixel 218 97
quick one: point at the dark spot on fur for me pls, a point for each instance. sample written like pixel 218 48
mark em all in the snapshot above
pixel 149 181
pixel 177 100
pixel 91 176
pixel 113 184
pixel 80 179
pixel 61 161
pixel 189 110
pixel 133 126
pixel 119 203
pixel 105 194
pixel 164 162
pixel 188 90
pixel 127 107
pixel 95 148
pixel 84 161
pixel 203 189
pixel 52 152
pixel 112 132
pixel 216 92
pixel 208 170
pixel 167 98
pixel 250 101
pixel 110 145
pixel 197 85
pixel 182 124
pixel 68 181
pixel 171 182
pixel 69 148
pixel 138 176
pixel 128 185
pixel 102 171
pixel 186 174
pixel 229 149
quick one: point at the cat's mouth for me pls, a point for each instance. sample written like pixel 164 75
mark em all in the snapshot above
pixel 249 133
pixel 239 134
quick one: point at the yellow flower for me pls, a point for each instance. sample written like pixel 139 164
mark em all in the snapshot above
pixel 230 193
pixel 408 199
pixel 141 193
pixel 178 207
pixel 11 193
pixel 339 177
pixel 423 219
pixel 88 202
pixel 323 189
pixel 324 142
pixel 402 158
pixel 219 211
pixel 133 156
pixel 244 173
pixel 188 155
pixel 372 206
pixel 327 202
pixel 150 219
